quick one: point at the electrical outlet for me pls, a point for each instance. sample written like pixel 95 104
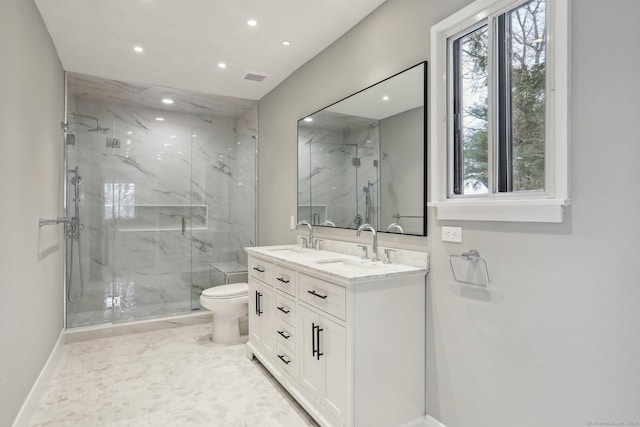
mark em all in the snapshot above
pixel 451 234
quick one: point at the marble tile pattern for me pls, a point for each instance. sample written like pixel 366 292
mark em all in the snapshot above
pixel 171 377
pixel 328 176
pixel 143 95
pixel 133 199
pixel 345 266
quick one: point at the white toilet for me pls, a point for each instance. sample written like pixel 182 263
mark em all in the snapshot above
pixel 228 303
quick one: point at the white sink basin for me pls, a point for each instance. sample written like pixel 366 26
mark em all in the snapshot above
pixel 345 262
pixel 291 249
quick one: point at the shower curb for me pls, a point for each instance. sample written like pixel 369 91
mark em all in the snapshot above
pixel 85 333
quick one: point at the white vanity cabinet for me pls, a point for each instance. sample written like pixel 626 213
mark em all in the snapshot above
pixel 349 349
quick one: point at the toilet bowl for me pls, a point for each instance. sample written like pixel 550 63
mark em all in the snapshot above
pixel 228 303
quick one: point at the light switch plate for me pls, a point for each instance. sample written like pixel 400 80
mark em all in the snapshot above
pixel 451 234
pixel 292 222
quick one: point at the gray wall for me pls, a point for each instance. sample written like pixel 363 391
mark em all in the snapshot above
pixel 31 109
pixel 554 341
pixel 401 170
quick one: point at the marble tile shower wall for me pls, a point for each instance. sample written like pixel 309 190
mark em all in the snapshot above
pixel 334 180
pixel 133 199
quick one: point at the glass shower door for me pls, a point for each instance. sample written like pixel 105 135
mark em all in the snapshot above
pixel 152 217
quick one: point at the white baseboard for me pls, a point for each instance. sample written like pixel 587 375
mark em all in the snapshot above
pixel 432 422
pixel 426 421
pixel 37 390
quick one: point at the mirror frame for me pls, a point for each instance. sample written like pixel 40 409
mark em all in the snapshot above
pixel 425 151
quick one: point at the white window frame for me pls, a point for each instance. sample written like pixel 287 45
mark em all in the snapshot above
pixel 547 206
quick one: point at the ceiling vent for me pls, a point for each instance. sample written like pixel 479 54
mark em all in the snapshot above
pixel 254 77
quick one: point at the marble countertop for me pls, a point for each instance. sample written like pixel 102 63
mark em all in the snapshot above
pixel 339 265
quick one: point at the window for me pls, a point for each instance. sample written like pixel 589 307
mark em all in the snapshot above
pixel 119 200
pixel 499 112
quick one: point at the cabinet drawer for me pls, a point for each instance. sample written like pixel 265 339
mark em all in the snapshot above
pixel 324 295
pixel 285 309
pixel 262 270
pixel 285 280
pixel 286 335
pixel 286 360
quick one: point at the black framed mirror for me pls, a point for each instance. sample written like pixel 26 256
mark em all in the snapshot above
pixel 363 159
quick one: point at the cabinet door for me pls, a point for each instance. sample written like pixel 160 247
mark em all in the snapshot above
pixel 332 344
pixel 255 330
pixel 323 361
pixel 262 316
pixel 267 320
pixel 311 369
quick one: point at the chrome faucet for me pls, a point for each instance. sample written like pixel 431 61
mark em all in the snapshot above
pixel 308 242
pixel 369 227
pixel 395 226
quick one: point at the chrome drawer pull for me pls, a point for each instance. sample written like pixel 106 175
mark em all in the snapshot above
pixel 283 280
pixel 318 295
pixel 285 336
pixel 285 311
pixel 259 269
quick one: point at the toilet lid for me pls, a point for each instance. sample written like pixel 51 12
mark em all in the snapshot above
pixel 232 290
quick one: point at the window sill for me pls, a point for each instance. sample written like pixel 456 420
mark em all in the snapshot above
pixel 533 210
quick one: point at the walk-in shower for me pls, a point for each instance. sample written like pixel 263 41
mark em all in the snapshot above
pixel 155 197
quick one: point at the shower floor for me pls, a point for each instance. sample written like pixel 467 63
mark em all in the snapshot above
pixel 142 298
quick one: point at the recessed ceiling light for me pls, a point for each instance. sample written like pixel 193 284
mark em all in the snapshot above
pixel 194 135
pixel 138 49
pixel 173 136
pixel 128 141
pixel 252 22
pixel 286 43
pixel 222 65
pixel 129 133
pixel 385 98
pixel 167 101
pixel 160 119
pixel 308 119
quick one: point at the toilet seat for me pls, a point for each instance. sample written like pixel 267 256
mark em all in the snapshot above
pixel 232 290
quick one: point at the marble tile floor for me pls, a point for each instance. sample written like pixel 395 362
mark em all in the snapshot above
pixel 170 377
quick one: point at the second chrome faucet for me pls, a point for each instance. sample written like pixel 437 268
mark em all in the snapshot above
pixel 308 241
pixel 369 227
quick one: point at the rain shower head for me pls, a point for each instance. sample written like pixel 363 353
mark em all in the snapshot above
pixel 99 128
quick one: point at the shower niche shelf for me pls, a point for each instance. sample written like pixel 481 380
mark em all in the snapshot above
pixel 152 217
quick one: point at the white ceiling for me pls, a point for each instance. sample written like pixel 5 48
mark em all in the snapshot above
pixel 185 40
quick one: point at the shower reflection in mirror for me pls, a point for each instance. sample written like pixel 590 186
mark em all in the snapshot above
pixel 362 159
